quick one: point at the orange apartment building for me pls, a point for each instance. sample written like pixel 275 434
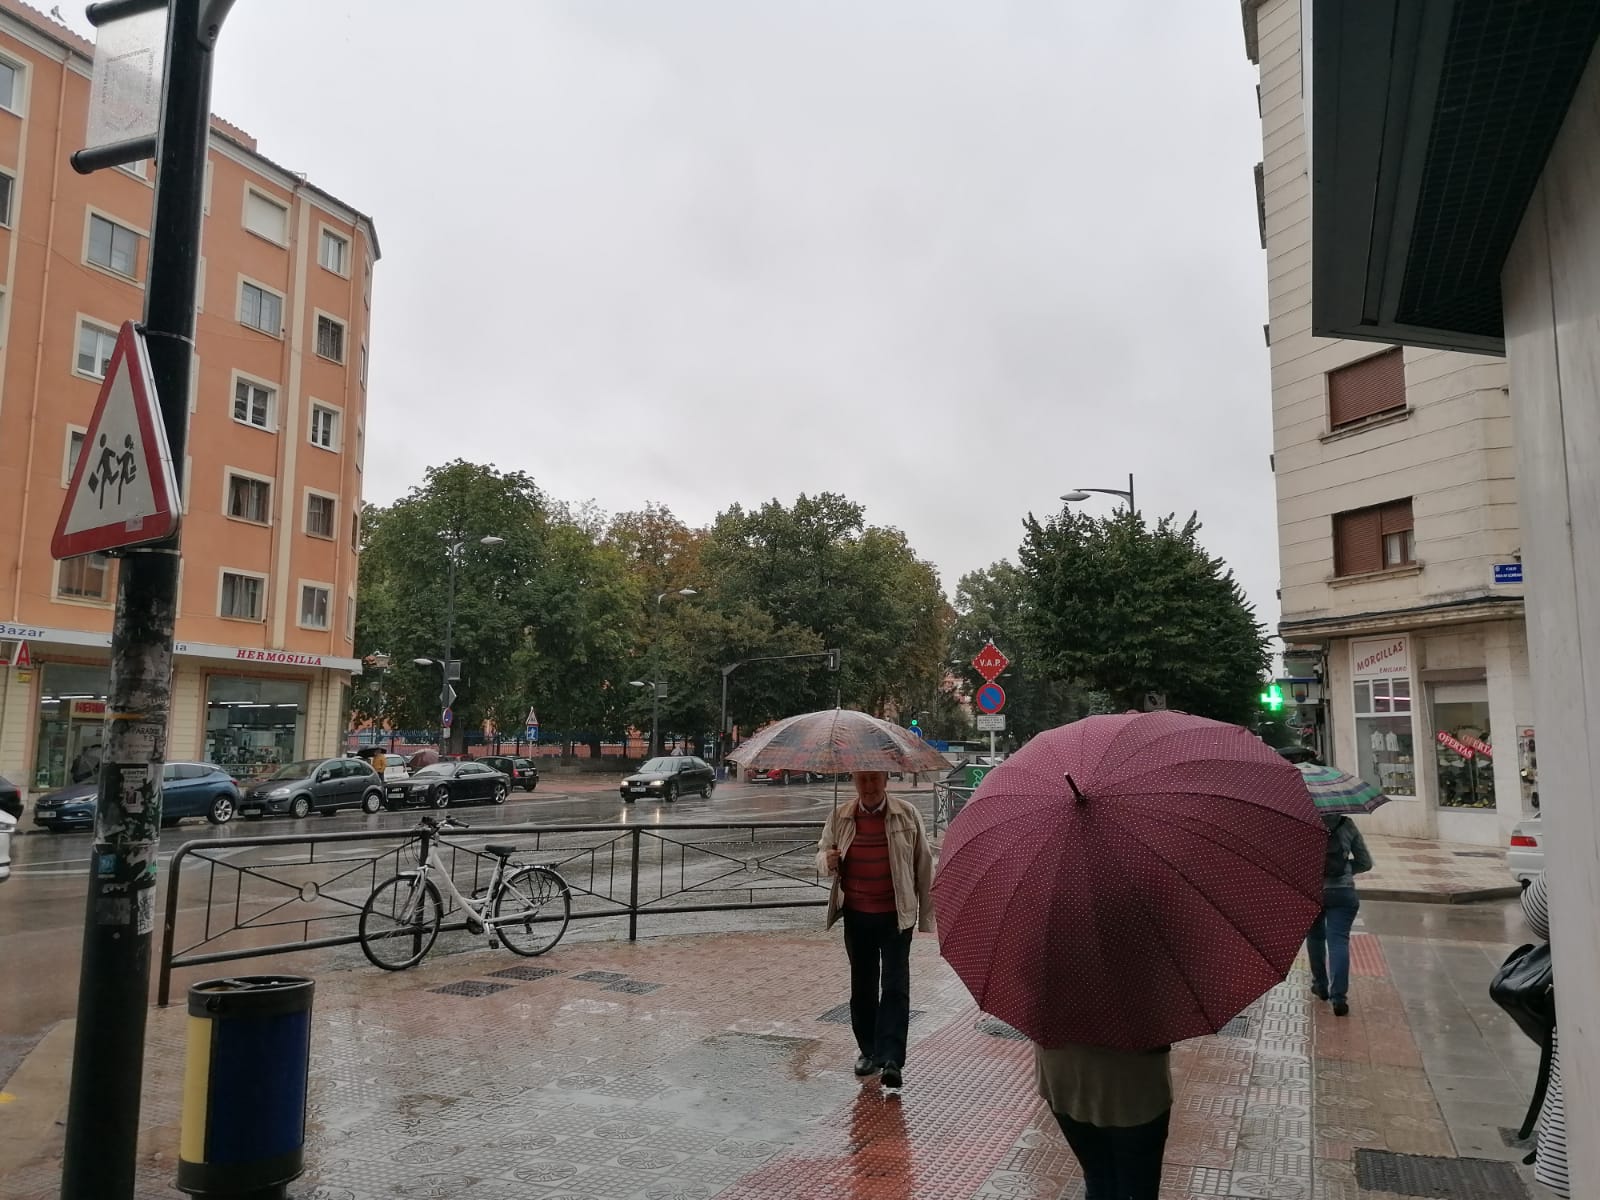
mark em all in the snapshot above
pixel 272 482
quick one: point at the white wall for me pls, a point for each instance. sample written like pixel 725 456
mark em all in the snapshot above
pixel 1551 289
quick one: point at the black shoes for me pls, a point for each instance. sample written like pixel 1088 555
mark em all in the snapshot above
pixel 866 1066
pixel 1320 992
pixel 1341 1009
pixel 891 1075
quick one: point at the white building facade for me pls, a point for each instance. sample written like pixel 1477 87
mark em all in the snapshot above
pixel 1397 523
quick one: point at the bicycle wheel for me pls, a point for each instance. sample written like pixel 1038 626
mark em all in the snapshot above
pixel 532 910
pixel 399 922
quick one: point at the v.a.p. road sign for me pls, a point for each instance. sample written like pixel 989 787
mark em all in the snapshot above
pixel 123 491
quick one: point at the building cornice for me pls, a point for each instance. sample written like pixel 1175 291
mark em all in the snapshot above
pixel 1465 611
pixel 1249 10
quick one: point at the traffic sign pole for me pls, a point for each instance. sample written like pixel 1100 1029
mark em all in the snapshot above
pixel 114 987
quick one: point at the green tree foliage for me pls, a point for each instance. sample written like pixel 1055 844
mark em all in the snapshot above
pixel 991 604
pixel 1133 610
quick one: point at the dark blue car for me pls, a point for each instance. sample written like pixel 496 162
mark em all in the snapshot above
pixel 188 789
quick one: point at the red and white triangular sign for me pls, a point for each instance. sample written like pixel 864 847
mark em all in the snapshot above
pixel 22 659
pixel 123 490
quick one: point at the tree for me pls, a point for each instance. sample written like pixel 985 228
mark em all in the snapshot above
pixel 991 605
pixel 1133 611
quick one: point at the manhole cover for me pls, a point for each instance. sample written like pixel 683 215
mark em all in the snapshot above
pixel 632 986
pixel 524 973
pixel 839 1014
pixel 600 976
pixel 1452 1178
pixel 995 1027
pixel 470 987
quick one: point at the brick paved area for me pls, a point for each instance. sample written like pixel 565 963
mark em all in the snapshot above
pixel 715 1076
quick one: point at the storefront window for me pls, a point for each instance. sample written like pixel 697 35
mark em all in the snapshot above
pixel 254 724
pixel 1463 749
pixel 1384 743
pixel 72 714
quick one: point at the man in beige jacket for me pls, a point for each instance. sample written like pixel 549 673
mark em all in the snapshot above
pixel 876 849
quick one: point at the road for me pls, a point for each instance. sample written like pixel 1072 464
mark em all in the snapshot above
pixel 41 907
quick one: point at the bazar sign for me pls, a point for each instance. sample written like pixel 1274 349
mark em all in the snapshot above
pixel 1381 656
pixel 78 637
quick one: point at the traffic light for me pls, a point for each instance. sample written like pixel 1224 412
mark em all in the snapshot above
pixel 833 660
pixel 1272 698
pixel 915 724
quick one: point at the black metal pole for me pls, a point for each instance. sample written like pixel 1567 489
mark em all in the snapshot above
pixel 114 989
pixel 444 667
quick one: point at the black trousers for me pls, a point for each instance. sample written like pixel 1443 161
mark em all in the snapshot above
pixel 879 1012
pixel 1118 1163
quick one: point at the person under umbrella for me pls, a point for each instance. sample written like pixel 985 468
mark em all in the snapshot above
pixel 1117 885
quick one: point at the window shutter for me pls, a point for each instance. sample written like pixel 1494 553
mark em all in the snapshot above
pixel 1358 542
pixel 1396 517
pixel 1366 388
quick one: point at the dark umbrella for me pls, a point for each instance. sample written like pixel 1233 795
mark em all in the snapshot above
pixel 1130 881
pixel 425 757
pixel 836 740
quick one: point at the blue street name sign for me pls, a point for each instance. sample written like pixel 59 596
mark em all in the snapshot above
pixel 1508 572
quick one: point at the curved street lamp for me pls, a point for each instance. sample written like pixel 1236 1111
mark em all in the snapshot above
pixel 1078 494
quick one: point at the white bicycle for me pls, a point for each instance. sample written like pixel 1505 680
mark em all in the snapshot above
pixel 525 906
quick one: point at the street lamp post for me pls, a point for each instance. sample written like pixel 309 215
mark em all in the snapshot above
pixel 657 690
pixel 654 658
pixel 446 694
pixel 379 662
pixel 1077 494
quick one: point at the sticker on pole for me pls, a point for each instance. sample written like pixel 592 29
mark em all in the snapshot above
pixel 123 490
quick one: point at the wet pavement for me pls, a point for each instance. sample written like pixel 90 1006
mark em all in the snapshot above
pixel 718 1065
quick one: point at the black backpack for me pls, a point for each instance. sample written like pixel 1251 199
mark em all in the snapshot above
pixel 1335 858
pixel 1525 987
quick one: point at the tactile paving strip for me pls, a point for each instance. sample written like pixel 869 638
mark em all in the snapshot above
pixel 1453 1178
pixel 470 987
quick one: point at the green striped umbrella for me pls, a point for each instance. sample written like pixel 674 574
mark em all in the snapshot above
pixel 1336 791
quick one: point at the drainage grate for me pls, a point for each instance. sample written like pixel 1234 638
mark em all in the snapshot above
pixel 1238 1027
pixel 600 976
pixel 839 1014
pixel 633 987
pixel 995 1027
pixel 524 973
pixel 470 987
pixel 1446 1178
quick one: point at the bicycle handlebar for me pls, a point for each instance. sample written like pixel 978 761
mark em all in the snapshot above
pixel 433 825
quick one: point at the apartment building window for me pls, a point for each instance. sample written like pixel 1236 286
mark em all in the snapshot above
pixel 10 77
pixel 95 345
pixel 112 246
pixel 249 499
pixel 8 184
pixel 74 449
pixel 355 529
pixel 260 309
pixel 320 515
pixel 265 216
pixel 330 338
pixel 314 604
pixel 253 403
pixel 242 596
pixel 1379 538
pixel 325 427
pixel 334 253
pixel 350 617
pixel 1363 391
pixel 84 578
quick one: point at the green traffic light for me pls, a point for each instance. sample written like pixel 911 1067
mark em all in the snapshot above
pixel 914 722
pixel 1272 699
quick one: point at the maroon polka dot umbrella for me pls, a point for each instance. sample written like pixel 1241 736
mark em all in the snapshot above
pixel 1130 881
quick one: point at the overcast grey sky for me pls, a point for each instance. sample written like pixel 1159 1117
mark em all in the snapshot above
pixel 949 257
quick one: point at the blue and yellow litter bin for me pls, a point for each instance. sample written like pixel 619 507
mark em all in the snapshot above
pixel 244 1086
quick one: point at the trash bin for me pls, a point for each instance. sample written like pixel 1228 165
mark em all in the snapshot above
pixel 975 773
pixel 244 1086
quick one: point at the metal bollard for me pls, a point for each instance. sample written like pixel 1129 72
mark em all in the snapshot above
pixel 244 1087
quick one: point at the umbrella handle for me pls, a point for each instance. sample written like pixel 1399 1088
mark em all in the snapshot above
pixel 1073 784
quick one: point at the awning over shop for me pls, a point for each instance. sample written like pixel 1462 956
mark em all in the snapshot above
pixel 1430 125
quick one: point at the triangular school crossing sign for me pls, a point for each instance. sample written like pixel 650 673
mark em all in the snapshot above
pixel 123 490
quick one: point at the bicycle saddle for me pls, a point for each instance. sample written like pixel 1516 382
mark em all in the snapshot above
pixel 500 849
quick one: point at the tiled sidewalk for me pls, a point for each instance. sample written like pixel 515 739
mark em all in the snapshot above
pixel 719 1066
pixel 1437 872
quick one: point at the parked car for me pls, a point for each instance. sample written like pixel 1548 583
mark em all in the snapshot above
pixel 10 798
pixel 523 772
pixel 188 789
pixel 323 784
pixel 447 783
pixel 1525 855
pixel 668 778
pixel 10 810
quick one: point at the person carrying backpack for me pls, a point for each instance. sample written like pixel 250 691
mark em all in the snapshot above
pixel 1328 943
